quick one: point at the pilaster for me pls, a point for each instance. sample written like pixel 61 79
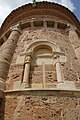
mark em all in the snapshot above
pixel 58 69
pixel 75 42
pixel 74 39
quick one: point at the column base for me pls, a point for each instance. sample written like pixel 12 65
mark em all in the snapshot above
pixel 18 85
pixel 60 82
pixel 25 85
pixel 67 85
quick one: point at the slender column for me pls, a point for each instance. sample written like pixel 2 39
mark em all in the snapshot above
pixel 27 71
pixel 58 69
pixel 59 74
pixel 6 53
pixel 44 82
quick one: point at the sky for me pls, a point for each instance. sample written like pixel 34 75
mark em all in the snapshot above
pixel 6 6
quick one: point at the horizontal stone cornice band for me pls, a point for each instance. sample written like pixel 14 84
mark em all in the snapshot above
pixel 28 9
pixel 42 92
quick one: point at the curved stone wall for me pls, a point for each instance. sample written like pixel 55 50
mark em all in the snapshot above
pixel 43 81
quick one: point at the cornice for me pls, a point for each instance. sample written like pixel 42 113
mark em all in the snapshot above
pixel 41 8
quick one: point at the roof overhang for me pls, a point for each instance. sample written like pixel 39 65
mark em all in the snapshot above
pixel 41 8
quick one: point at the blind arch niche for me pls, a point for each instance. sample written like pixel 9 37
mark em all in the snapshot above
pixel 43 69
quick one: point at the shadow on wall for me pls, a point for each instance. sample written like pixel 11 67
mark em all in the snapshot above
pixel 2 106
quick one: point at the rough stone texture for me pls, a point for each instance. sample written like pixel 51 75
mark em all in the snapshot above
pixel 37 107
pixel 50 91
pixel 6 53
pixel 36 75
pixel 16 74
pixel 70 69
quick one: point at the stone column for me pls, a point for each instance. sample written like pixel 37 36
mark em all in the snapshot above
pixel 6 53
pixel 27 71
pixel 58 71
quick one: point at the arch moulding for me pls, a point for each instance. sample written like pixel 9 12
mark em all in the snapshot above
pixel 35 45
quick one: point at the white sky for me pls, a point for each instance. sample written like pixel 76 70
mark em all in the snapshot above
pixel 6 6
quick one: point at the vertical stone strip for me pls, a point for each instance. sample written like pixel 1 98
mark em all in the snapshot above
pixel 73 37
pixel 75 42
pixel 44 82
pixel 58 70
pixel 27 71
pixel 6 53
pixel 59 74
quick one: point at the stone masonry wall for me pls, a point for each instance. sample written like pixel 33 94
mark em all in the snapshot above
pixel 35 106
pixel 70 69
pixel 15 74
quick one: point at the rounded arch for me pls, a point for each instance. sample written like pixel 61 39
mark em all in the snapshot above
pixel 42 44
pixel 42 47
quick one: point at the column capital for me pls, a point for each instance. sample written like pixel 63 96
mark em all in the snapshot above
pixel 57 58
pixel 28 59
pixel 71 27
pixel 16 27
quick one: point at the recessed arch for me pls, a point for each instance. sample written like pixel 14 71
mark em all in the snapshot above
pixel 42 69
pixel 42 44
pixel 42 47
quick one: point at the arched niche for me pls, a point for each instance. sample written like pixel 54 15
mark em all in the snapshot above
pixel 41 67
pixel 42 54
pixel 41 42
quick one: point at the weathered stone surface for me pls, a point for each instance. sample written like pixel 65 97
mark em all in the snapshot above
pixel 42 108
pixel 6 54
pixel 43 81
pixel 16 74
pixel 70 69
